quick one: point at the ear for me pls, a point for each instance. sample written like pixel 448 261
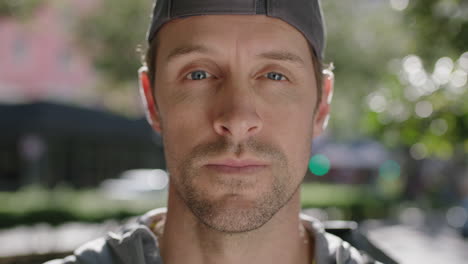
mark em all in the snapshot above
pixel 323 110
pixel 152 114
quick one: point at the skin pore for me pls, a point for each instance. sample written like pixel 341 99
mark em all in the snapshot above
pixel 236 106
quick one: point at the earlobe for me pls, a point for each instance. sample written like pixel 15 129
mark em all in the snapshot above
pixel 323 111
pixel 152 115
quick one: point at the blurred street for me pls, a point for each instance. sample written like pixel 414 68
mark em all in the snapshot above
pixel 44 239
pixel 406 244
pixel 409 245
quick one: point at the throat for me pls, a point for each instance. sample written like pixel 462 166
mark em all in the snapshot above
pixel 209 246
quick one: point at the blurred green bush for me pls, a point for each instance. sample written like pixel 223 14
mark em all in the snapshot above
pixel 36 205
pixel 353 202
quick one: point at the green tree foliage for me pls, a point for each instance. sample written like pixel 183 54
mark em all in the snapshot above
pixel 363 36
pixel 421 102
pixel 17 8
pixel 439 27
pixel 111 35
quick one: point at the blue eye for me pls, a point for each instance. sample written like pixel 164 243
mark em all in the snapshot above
pixel 198 75
pixel 276 76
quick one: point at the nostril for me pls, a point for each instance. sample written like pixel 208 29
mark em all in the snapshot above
pixel 238 122
pixel 252 129
pixel 222 129
pixel 225 129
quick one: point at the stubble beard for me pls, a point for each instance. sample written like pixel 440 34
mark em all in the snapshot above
pixel 217 214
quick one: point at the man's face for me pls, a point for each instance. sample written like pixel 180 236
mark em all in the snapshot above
pixel 236 97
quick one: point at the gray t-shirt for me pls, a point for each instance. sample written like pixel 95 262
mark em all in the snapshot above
pixel 137 243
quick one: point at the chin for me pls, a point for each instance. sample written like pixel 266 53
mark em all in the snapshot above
pixel 237 213
pixel 238 221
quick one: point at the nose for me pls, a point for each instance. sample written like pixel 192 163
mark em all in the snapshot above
pixel 236 114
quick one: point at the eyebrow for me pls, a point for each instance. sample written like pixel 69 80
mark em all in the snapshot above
pixel 282 56
pixel 188 49
pixel 277 55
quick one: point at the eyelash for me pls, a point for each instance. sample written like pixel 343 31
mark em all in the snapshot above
pixel 188 76
pixel 276 73
pixel 208 75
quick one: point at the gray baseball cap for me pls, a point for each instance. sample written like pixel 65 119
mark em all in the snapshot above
pixel 304 15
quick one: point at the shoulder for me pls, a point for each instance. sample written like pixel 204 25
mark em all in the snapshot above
pixel 132 244
pixel 339 242
pixel 93 252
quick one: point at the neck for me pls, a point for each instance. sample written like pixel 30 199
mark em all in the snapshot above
pixel 283 239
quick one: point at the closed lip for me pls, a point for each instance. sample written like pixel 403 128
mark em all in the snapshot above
pixel 237 163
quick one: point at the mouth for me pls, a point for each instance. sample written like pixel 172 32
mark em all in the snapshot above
pixel 235 166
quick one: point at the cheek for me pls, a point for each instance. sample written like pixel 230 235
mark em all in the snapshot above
pixel 295 129
pixel 183 127
pixel 180 127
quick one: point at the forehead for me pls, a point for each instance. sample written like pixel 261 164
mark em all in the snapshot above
pixel 251 33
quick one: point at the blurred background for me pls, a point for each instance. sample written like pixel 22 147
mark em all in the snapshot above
pixel 77 157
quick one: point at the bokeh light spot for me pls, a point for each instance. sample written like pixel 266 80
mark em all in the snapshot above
pixel 423 109
pixel 412 64
pixel 398 111
pixel 457 216
pixel 389 170
pixel 377 103
pixel 399 5
pixel 439 127
pixel 412 216
pixel 463 61
pixel 418 78
pixel 412 94
pixel 458 78
pixel 319 165
pixel 443 69
pixel 418 151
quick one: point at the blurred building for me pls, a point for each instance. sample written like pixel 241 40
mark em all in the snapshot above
pixel 356 162
pixel 39 59
pixel 55 143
